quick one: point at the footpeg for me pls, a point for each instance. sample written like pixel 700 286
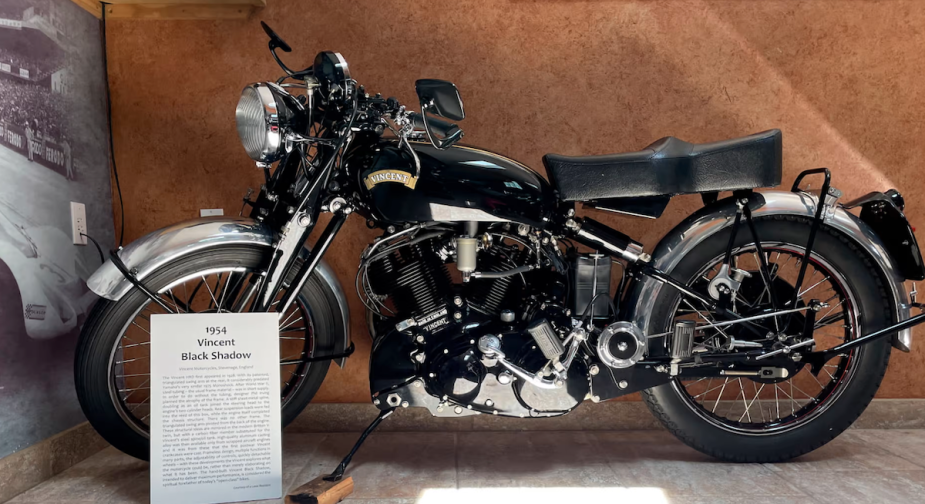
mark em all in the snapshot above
pixel 490 345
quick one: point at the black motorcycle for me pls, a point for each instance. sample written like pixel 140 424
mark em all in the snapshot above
pixel 757 330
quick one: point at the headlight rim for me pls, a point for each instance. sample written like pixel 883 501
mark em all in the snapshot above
pixel 273 125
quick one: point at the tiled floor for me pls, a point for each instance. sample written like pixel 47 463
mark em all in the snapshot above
pixel 635 467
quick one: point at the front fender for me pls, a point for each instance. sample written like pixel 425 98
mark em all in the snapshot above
pixel 711 219
pixel 158 248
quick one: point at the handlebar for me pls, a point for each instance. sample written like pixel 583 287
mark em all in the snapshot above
pixel 447 133
pixel 444 128
pixel 442 134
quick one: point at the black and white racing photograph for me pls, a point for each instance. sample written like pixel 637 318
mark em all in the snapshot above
pixel 53 151
pixel 505 251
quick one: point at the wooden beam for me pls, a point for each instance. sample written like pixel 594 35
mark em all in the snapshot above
pixel 94 7
pixel 258 3
pixel 180 11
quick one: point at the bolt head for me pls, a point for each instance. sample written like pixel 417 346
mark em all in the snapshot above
pixel 419 357
pixel 404 404
pixel 594 370
pixel 596 399
pixel 489 403
pixel 457 301
pixel 458 410
pixel 417 384
pixel 457 315
pixel 376 402
pixel 623 384
pixel 420 338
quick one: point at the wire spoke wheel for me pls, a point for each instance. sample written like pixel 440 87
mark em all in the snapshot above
pixel 762 406
pixel 220 290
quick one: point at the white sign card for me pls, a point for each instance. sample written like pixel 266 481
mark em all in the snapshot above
pixel 215 424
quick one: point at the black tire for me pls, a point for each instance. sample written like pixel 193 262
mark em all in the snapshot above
pixel 106 321
pixel 672 406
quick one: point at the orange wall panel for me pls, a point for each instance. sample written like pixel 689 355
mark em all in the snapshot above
pixel 841 79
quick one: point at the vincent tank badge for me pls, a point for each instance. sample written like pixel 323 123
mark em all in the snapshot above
pixel 398 176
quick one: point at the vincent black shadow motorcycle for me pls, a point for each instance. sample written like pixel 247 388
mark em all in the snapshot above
pixel 757 330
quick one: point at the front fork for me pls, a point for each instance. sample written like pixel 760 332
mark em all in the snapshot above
pixel 285 257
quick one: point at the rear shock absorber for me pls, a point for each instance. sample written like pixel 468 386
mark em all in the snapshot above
pixel 601 237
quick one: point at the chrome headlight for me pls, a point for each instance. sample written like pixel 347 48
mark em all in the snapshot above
pixel 261 115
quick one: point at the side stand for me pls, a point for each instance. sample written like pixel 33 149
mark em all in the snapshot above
pixel 339 471
pixel 333 487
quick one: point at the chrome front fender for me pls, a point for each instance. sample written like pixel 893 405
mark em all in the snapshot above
pixel 714 218
pixel 147 254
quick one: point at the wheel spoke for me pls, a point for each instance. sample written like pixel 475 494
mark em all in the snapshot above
pixel 819 282
pixel 749 405
pixel 813 286
pixel 211 294
pixel 743 402
pixel 720 395
pixel 216 291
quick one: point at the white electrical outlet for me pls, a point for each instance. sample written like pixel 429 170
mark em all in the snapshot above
pixel 209 212
pixel 78 223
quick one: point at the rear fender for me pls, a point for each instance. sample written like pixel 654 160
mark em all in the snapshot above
pixel 883 212
pixel 714 218
pixel 147 254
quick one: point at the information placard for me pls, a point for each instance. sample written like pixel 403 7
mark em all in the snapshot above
pixel 215 421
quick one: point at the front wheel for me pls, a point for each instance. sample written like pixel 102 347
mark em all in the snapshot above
pixel 739 419
pixel 112 361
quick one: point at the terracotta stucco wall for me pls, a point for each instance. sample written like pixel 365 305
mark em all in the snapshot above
pixel 842 79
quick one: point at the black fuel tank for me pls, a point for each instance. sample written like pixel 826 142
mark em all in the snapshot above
pixel 457 184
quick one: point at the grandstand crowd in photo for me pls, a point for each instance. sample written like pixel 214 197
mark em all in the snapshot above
pixel 34 85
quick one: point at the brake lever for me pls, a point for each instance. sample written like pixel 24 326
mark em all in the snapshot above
pixel 404 120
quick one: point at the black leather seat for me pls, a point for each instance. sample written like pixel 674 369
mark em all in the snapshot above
pixel 670 166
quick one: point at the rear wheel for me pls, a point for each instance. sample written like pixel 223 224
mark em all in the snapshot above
pixel 112 364
pixel 742 419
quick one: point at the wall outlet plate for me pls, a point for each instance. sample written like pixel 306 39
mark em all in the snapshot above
pixel 78 223
pixel 209 212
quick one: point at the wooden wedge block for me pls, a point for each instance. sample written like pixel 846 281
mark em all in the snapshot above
pixel 319 491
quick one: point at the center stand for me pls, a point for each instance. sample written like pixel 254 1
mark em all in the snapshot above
pixel 333 487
